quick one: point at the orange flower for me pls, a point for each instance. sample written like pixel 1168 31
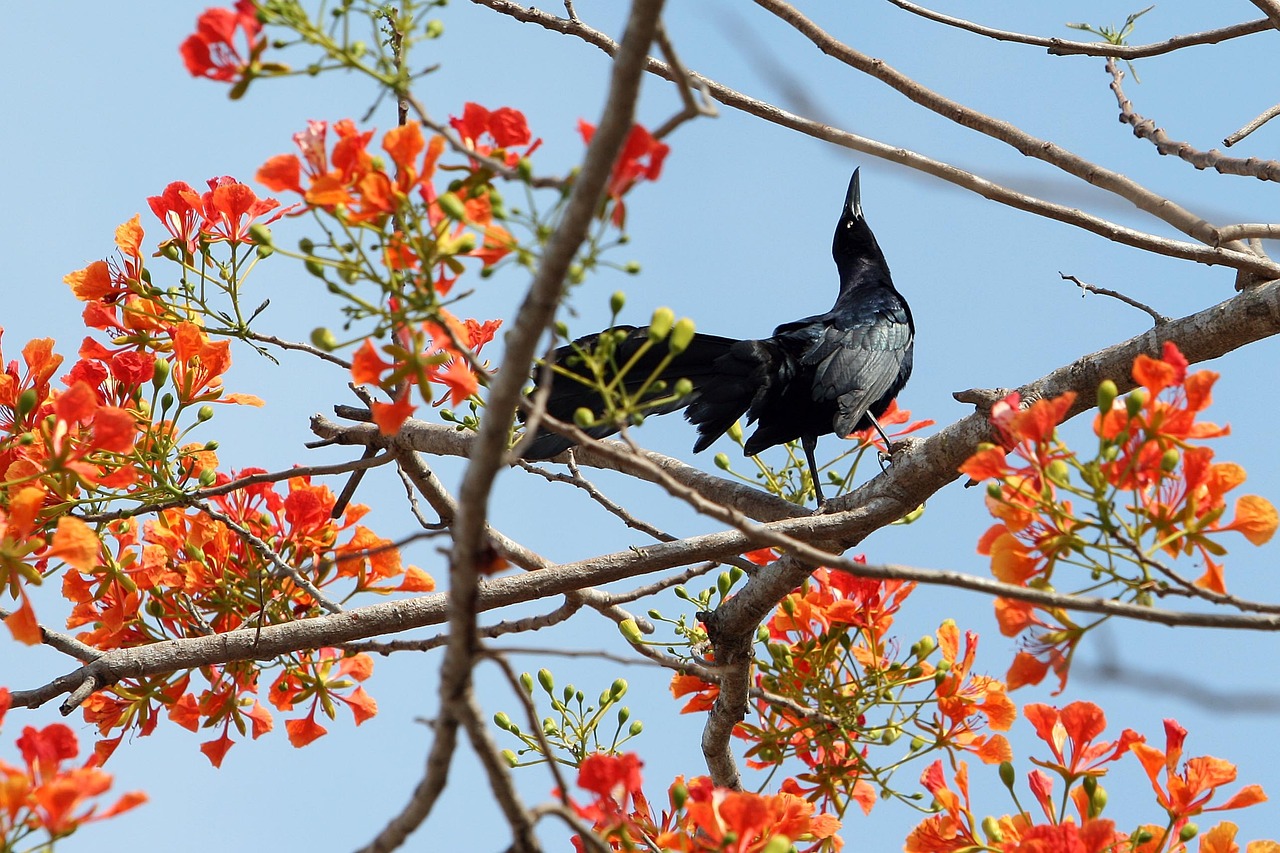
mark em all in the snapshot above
pixel 1187 792
pixel 211 50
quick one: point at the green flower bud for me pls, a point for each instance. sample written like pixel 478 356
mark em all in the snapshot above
pixel 735 432
pixel 526 681
pixel 617 301
pixel 631 631
pixel 636 728
pixel 681 336
pixel 1058 472
pixel 618 689
pixel 777 844
pixel 660 324
pixel 679 795
pixel 1097 801
pixel 435 28
pixel 160 374
pixel 261 235
pixel 577 274
pixel 724 583
pixel 314 267
pixel 917 744
pixel 211 445
pixel 722 461
pixel 1169 460
pixel 510 757
pixel 991 829
pixel 208 477
pixel 1107 393
pixel 545 679
pixel 26 402
pixel 631 267
pixel 1007 774
pixel 502 721
pixel 1188 832
pixel 204 413
pixel 924 646
pixel 1135 401
pixel 584 417
pixel 624 714
pixel 171 251
pixel 306 245
pixel 166 402
pixel 322 338
pixel 683 387
pixel 525 168
pixel 452 206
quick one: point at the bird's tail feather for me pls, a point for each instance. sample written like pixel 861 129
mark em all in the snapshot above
pixel 648 367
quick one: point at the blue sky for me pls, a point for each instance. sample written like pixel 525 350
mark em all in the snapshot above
pixel 736 234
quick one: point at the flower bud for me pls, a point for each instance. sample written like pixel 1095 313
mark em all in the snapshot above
pixel 314 267
pixel 526 681
pixel 1169 460
pixel 524 168
pixel 777 844
pixel 452 206
pixel 261 235
pixel 724 583
pixel 660 324
pixel 510 757
pixel 435 28
pixel 1058 472
pixel 631 631
pixel 618 689
pixel 636 728
pixel 208 477
pixel 166 402
pixel 1107 393
pixel 1007 774
pixel 679 795
pixel 1135 401
pixel 26 402
pixel 583 417
pixel 160 373
pixel 624 714
pixel 502 721
pixel 1188 832
pixel 204 413
pixel 544 678
pixel 722 461
pixel 683 388
pixel 735 432
pixel 991 829
pixel 617 301
pixel 322 338
pixel 681 336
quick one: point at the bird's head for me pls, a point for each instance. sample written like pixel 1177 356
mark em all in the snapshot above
pixel 856 252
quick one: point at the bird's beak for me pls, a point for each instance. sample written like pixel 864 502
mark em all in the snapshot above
pixel 853 199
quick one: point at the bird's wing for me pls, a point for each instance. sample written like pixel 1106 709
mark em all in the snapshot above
pixel 857 360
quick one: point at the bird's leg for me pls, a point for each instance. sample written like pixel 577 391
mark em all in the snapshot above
pixel 810 444
pixel 885 457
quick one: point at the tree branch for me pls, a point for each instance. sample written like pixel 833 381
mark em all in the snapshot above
pixel 1211 254
pixel 1062 47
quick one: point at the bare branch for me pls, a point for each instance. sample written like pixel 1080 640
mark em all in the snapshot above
pixel 1102 291
pixel 1145 128
pixel 1212 254
pixel 1062 47
pixel 694 106
pixel 64 643
pixel 1249 128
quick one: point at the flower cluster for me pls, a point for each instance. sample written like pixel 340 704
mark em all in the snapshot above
pixel 830 651
pixel 1071 820
pixel 1151 492
pixel 431 354
pixel 641 159
pixel 699 816
pixel 43 794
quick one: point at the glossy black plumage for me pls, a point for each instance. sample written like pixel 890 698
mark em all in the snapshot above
pixel 832 372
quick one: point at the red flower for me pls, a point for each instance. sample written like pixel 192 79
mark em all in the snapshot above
pixel 641 160
pixel 505 126
pixel 211 50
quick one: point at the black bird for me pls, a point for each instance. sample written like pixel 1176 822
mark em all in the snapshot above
pixel 829 373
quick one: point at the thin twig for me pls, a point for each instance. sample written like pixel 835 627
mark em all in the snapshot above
pixel 64 643
pixel 1252 126
pixel 1062 47
pixel 693 106
pixel 1156 316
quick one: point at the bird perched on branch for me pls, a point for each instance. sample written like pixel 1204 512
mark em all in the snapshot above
pixel 830 373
